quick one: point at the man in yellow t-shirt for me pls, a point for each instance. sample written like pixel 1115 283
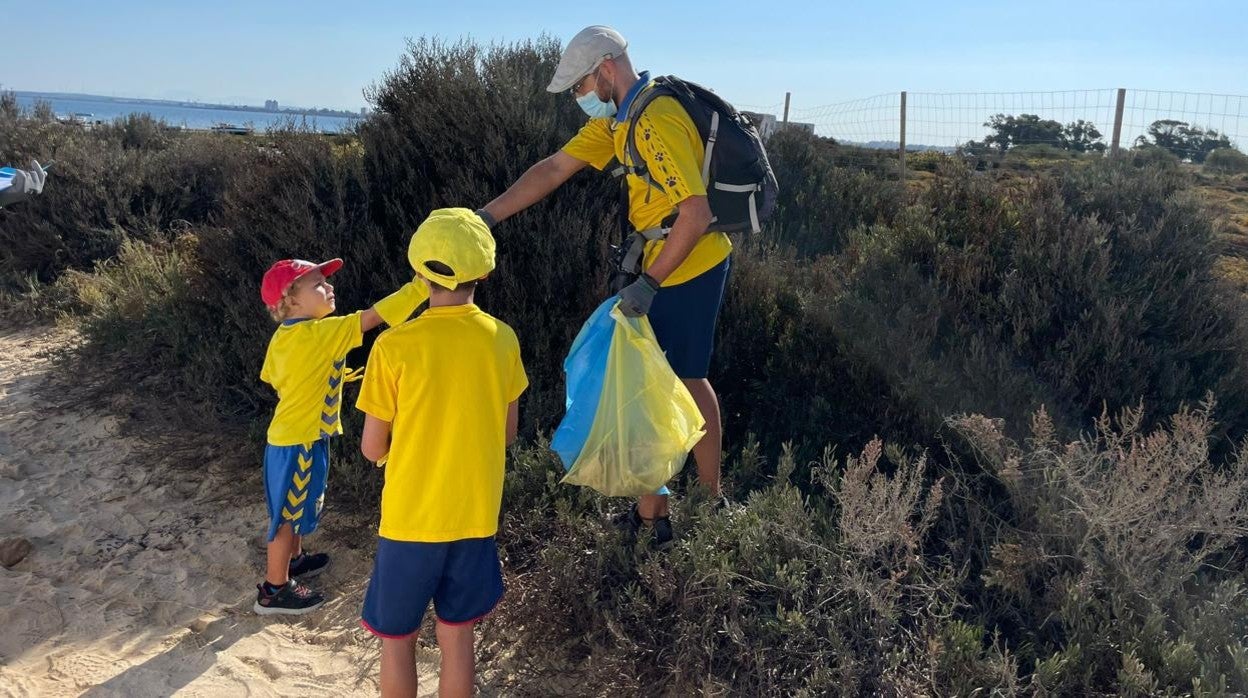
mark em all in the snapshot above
pixel 682 286
pixel 306 365
pixel 440 401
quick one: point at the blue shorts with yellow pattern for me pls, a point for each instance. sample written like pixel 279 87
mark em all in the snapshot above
pixel 294 485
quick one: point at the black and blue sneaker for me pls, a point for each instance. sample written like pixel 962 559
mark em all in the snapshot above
pixel 630 522
pixel 292 599
pixel 664 538
pixel 308 565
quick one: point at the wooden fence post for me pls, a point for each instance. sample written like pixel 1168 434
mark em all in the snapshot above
pixel 1114 144
pixel 901 149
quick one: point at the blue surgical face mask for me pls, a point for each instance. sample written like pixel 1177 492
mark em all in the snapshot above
pixel 595 107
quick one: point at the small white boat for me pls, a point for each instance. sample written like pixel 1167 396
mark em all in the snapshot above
pixel 232 129
pixel 78 117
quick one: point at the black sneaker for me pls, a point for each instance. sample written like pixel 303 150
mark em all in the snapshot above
pixel 664 538
pixel 307 566
pixel 294 599
pixel 630 522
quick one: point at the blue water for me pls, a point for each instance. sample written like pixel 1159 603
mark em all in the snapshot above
pixel 188 117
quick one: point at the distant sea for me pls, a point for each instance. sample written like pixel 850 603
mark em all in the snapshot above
pixel 109 108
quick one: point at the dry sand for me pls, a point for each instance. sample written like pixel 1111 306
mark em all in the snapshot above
pixel 142 576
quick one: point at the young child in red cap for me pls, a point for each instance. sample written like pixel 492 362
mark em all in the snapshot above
pixel 306 365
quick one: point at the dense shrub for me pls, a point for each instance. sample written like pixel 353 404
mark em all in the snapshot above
pixel 1226 161
pixel 821 201
pixel 1111 562
pixel 1089 288
pixel 131 179
pixel 1038 151
pixel 1102 582
pixel 1095 287
pixel 789 594
pixel 927 160
pixel 454 125
pixel 861 310
pixel 141 303
pixel 1154 156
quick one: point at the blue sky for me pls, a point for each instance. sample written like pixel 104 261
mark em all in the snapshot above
pixel 317 53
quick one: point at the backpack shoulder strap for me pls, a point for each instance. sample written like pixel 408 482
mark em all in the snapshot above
pixel 634 164
pixel 686 94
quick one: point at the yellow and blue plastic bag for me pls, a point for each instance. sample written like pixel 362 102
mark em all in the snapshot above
pixel 630 422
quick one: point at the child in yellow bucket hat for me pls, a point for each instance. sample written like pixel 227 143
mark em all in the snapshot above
pixel 440 401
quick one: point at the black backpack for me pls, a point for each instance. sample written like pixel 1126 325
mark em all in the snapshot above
pixel 740 185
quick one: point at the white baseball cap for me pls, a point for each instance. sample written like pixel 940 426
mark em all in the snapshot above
pixel 585 52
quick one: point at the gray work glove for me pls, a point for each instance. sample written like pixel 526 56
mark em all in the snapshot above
pixel 25 184
pixel 636 297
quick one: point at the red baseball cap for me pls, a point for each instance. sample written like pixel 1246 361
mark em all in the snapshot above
pixel 282 274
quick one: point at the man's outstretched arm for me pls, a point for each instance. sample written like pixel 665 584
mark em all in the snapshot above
pixel 533 186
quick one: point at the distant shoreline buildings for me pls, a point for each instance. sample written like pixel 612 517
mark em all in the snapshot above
pixel 274 108
pixel 768 125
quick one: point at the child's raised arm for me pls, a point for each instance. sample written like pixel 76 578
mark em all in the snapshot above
pixel 397 307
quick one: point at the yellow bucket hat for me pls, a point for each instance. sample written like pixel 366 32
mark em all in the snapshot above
pixel 456 237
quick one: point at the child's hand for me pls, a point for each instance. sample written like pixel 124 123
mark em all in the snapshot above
pixel 397 307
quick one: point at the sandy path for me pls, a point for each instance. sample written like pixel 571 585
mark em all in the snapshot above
pixel 141 580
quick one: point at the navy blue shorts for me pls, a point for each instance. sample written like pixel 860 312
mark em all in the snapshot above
pixel 463 578
pixel 684 317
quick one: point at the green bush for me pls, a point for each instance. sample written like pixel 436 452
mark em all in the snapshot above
pixel 789 594
pixel 139 132
pixel 1226 161
pixel 142 304
pixel 1092 287
pixel 1038 151
pixel 1111 564
pixel 132 179
pixel 1106 579
pixel 860 311
pixel 1147 155
pixel 821 201
pixel 927 160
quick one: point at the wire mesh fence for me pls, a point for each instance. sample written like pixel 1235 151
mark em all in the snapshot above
pixel 1186 122
pixel 1060 123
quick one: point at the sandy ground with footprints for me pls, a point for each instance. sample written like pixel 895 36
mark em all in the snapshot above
pixel 141 577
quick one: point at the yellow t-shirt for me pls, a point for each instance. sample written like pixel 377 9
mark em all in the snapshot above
pixel 444 381
pixel 668 142
pixel 306 364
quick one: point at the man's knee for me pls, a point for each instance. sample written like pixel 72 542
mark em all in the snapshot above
pixel 700 388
